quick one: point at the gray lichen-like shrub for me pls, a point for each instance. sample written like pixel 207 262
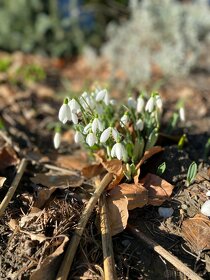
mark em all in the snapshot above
pixel 164 34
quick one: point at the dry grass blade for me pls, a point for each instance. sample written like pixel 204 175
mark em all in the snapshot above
pixel 165 254
pixel 14 185
pixel 72 248
pixel 108 255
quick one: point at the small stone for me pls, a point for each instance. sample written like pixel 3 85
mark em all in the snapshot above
pixel 165 212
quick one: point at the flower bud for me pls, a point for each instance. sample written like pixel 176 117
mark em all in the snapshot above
pixel 57 140
pixel 91 139
pixel 150 105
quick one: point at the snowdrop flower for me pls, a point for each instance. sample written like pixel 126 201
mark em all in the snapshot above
pixel 102 95
pixel 97 125
pixel 159 103
pixel 118 151
pixel 124 120
pixel 74 106
pixel 150 105
pixel 182 114
pixel 57 140
pixel 74 118
pixel 140 104
pixel 87 128
pixel 78 137
pixel 205 208
pixel 139 125
pixel 91 139
pixel 131 103
pixel 86 101
pixel 64 114
pixel 107 133
pixel 113 102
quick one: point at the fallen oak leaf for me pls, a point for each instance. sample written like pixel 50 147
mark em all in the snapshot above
pixel 159 190
pixel 148 154
pixel 48 268
pixel 196 231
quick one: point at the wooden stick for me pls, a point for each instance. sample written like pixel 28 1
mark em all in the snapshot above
pixel 14 185
pixel 165 254
pixel 72 247
pixel 108 255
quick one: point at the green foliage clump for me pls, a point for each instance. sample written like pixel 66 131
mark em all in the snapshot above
pixel 164 35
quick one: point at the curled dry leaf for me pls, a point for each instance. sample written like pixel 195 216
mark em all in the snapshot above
pixel 77 161
pixel 93 170
pixel 148 154
pixel 2 180
pixel 158 189
pixel 136 195
pixel 196 231
pixel 8 157
pixel 118 214
pixel 49 267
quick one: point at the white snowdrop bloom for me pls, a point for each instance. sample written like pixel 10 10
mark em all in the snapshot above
pixel 140 125
pixel 107 133
pixel 97 125
pixel 150 105
pixel 165 212
pixel 87 128
pixel 182 114
pixel 159 103
pixel 86 101
pixel 124 120
pixel 102 95
pixel 74 118
pixel 113 102
pixel 208 193
pixel 64 114
pixel 57 140
pixel 91 139
pixel 205 208
pixel 78 137
pixel 140 104
pixel 74 106
pixel 131 103
pixel 118 151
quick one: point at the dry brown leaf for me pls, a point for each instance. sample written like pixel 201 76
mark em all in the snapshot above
pixel 196 231
pixel 43 196
pixel 50 265
pixel 148 154
pixel 93 170
pixel 76 161
pixel 136 195
pixel 2 180
pixel 118 214
pixel 34 236
pixel 8 157
pixel 158 189
pixel 13 224
pixel 29 218
pixel 59 181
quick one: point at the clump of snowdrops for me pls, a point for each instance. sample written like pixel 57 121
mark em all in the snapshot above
pixel 123 131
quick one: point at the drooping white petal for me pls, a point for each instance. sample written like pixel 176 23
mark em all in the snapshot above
pixel 150 104
pixel 105 135
pixel 115 134
pixel 139 125
pixel 74 106
pixel 140 104
pixel 205 208
pixel 100 95
pixel 100 125
pixel 124 120
pixel 87 128
pixel 95 125
pixel 113 102
pixel 78 137
pixel 74 118
pixel 120 151
pixel 131 103
pixel 106 98
pixel 182 114
pixel 64 114
pixel 91 139
pixel 113 151
pixel 57 140
pixel 159 103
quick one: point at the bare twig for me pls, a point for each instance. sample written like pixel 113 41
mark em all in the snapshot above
pixel 14 185
pixel 72 248
pixel 108 255
pixel 165 254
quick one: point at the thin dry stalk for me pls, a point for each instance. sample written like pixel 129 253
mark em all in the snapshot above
pixel 14 185
pixel 108 255
pixel 165 254
pixel 72 247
